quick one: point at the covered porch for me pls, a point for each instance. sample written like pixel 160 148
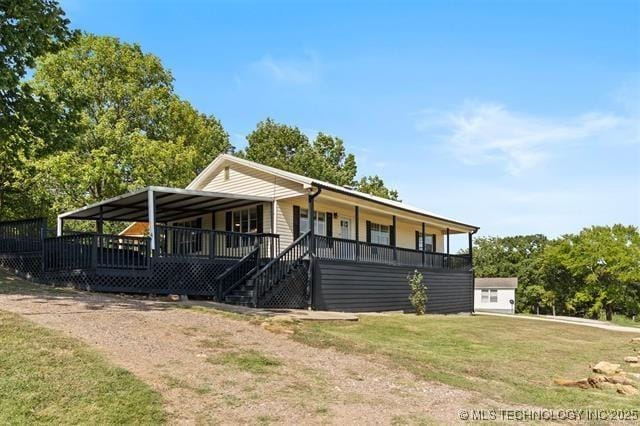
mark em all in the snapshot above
pixel 173 233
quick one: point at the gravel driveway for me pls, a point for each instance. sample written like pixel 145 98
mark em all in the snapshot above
pixel 177 352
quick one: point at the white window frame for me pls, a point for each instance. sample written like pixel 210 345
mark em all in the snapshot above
pixel 245 220
pixel 428 238
pixel 320 222
pixel 380 234
pixel 489 295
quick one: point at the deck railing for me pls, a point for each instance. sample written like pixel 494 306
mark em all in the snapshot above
pixel 120 252
pixel 19 236
pixel 175 241
pixel 358 251
pixel 68 252
pixel 291 257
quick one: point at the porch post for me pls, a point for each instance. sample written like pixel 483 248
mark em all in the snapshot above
pixel 59 226
pixel 470 246
pixel 212 236
pixel 151 213
pixel 395 236
pixel 312 225
pixel 100 223
pixel 447 240
pixel 357 233
pixel 424 242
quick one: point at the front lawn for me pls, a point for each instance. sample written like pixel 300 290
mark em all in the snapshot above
pixel 509 360
pixel 48 378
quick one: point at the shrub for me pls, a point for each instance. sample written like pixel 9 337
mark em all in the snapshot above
pixel 418 297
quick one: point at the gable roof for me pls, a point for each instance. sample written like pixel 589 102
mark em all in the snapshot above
pixel 203 178
pixel 496 282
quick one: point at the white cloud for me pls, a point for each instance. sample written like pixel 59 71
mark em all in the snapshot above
pixel 297 71
pixel 480 133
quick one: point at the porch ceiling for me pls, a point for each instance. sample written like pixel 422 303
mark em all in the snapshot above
pixel 170 204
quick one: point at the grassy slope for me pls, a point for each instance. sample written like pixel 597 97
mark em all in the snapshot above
pixel 510 360
pixel 48 378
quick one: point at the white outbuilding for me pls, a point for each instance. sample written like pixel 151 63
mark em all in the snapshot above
pixel 495 295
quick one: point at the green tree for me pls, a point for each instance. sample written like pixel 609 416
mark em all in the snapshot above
pixel 605 261
pixel 518 256
pixel 374 185
pixel 325 158
pixel 28 123
pixel 132 129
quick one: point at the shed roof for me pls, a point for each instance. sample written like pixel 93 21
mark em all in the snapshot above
pixel 496 282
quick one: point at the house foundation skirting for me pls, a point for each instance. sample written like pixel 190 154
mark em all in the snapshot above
pixel 358 287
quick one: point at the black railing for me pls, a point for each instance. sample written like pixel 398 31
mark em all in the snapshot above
pixel 19 236
pixel 237 274
pixel 351 250
pixel 120 252
pixel 291 257
pixel 68 252
pixel 174 241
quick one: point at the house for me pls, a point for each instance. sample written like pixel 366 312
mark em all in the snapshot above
pixel 243 232
pixel 495 295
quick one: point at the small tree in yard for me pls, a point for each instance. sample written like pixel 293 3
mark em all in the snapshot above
pixel 418 297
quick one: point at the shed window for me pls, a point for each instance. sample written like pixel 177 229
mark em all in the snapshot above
pixel 489 296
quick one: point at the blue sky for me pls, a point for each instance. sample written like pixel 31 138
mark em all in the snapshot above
pixel 518 116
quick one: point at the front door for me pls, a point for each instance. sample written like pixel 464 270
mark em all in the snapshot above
pixel 345 228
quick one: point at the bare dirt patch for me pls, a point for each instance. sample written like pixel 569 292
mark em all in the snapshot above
pixel 213 369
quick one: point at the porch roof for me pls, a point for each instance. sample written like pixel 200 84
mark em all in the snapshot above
pixel 170 204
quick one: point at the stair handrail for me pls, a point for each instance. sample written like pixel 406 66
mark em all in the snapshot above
pixel 268 272
pixel 240 263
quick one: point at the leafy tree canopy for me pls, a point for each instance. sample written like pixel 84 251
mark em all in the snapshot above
pixel 593 272
pixel 324 158
pixel 130 127
pixel 28 29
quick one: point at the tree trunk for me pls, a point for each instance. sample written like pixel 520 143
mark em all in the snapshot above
pixel 553 308
pixel 609 311
pixel 537 309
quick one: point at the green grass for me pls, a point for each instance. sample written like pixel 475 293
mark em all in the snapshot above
pixel 509 360
pixel 625 321
pixel 248 360
pixel 48 378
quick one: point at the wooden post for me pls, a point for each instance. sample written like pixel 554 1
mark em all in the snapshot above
pixel 151 213
pixel 471 247
pixel 447 240
pixel 100 223
pixel 424 243
pixel 312 224
pixel 395 235
pixel 357 233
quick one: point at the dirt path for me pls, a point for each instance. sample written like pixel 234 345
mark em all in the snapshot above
pixel 212 369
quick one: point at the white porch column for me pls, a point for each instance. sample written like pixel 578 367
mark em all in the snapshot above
pixel 274 217
pixel 59 227
pixel 151 210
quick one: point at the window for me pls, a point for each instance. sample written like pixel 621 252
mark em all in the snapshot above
pixel 380 234
pixel 245 220
pixel 429 242
pixel 320 222
pixel 489 296
pixel 185 241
